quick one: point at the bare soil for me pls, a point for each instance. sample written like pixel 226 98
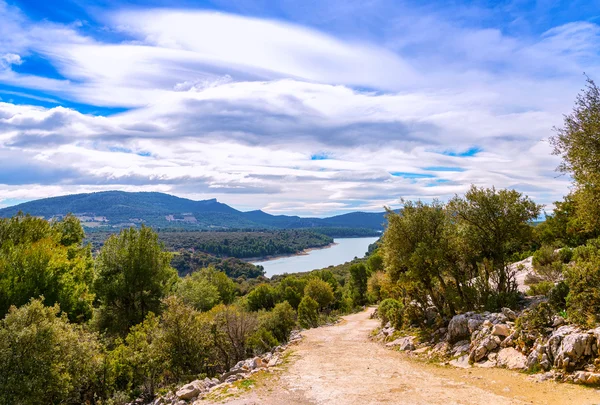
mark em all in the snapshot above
pixel 341 365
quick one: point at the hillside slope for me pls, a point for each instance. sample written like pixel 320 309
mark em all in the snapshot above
pixel 112 209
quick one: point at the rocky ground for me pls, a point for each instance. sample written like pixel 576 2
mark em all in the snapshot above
pixel 341 364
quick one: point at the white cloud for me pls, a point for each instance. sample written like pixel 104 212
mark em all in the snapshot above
pixel 234 107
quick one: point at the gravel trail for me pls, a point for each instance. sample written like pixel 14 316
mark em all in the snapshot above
pixel 339 365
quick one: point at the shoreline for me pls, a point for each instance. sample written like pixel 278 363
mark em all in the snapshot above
pixel 304 252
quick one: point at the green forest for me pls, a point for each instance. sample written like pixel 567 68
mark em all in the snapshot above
pixel 240 244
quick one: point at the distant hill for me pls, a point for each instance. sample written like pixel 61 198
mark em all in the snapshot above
pixel 115 209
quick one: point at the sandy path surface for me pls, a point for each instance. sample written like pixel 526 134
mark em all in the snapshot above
pixel 340 365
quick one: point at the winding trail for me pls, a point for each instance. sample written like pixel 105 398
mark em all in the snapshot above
pixel 339 365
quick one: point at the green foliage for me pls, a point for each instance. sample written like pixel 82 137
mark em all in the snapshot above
pixel 419 254
pixel 245 244
pixel 198 292
pixel 308 313
pixel 320 291
pixel 291 289
pixel 232 327
pixel 262 297
pixel 38 258
pixel 375 262
pixel 391 310
pixel 563 227
pixel 495 224
pixel 44 359
pixel 186 262
pixel 542 288
pixel 280 321
pixel 557 296
pixel 549 264
pixel 133 275
pixel 262 341
pixel 532 324
pixel 578 143
pixel 583 280
pixel 359 277
pixel 225 286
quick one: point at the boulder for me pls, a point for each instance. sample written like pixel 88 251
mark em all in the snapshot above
pixel 191 390
pixel 461 362
pixel 474 324
pixel 274 361
pixel 461 348
pixel 458 328
pixel 509 314
pixel 586 377
pixel 512 359
pixel 403 343
pixel 257 362
pixel 574 350
pixel 500 329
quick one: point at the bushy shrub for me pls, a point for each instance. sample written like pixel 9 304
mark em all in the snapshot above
pixel 280 321
pixel 532 324
pixel 541 288
pixel 583 280
pixel 391 310
pixel 262 341
pixel 495 301
pixel 262 297
pixel 44 359
pixel 320 291
pixel 198 292
pixel 549 263
pixel 557 296
pixel 308 313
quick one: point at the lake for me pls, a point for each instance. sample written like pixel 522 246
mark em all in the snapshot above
pixel 345 250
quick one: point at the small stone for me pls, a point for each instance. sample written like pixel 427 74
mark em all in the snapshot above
pixel 500 329
pixel 509 314
pixel 512 359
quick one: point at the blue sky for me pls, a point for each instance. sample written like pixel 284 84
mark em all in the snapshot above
pixel 309 108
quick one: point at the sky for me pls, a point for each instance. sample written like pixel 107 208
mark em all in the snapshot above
pixel 294 107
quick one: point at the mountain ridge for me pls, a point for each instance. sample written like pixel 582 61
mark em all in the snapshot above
pixel 113 209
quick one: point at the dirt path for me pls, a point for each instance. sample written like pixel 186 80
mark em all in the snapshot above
pixel 340 365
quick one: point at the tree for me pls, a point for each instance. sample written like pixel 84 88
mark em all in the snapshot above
pixel 375 262
pixel 37 258
pixel 358 277
pixel 232 327
pixel 198 292
pixel 583 280
pixel 44 359
pixel 320 291
pixel 578 143
pixel 308 313
pixel 280 321
pixel 418 254
pixel 494 224
pixel 133 275
pixel 291 289
pixel 262 297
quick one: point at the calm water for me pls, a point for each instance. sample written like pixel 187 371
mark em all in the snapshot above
pixel 345 250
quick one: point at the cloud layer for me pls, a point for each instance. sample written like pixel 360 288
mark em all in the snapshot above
pixel 262 113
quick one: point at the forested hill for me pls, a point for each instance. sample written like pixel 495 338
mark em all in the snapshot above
pixel 112 209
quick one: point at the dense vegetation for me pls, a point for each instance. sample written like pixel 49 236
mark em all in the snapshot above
pixel 123 324
pixel 246 244
pixel 186 262
pixel 235 244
